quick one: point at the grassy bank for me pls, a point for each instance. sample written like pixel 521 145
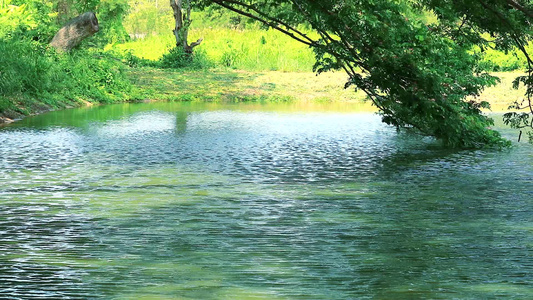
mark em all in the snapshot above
pixel 237 61
pixel 228 85
pixel 272 86
pixel 35 78
pixel 503 94
pixel 239 86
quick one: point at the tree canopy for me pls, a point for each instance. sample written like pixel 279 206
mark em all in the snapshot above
pixel 422 74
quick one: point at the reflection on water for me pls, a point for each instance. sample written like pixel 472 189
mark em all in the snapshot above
pixel 178 201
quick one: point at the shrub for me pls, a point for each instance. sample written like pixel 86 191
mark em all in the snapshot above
pixel 95 77
pixel 176 58
pixel 31 70
pixel 26 67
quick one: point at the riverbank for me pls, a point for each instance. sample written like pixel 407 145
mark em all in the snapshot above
pixel 227 85
pixel 274 86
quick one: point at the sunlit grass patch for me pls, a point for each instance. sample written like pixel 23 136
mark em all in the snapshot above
pixel 151 47
pixel 250 49
pixel 243 86
pixel 503 94
pixel 326 89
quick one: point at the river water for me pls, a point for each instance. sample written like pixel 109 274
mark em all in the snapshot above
pixel 211 201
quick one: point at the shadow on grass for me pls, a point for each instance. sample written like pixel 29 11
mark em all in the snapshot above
pixel 227 85
pixel 196 85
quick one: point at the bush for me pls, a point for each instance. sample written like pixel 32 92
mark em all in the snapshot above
pixel 229 58
pixel 26 67
pixel 95 77
pixel 31 70
pixel 27 19
pixel 134 61
pixel 176 58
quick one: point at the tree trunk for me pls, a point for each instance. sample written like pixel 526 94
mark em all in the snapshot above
pixel 75 31
pixel 182 17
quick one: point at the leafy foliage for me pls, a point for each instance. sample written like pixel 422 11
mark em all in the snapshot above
pixel 419 62
pixel 147 17
pixel 13 18
pixel 31 70
pixel 148 22
pixel 418 74
pixel 110 16
pixel 40 19
pixel 508 23
pixel 33 19
pixel 518 118
pixel 177 58
pixel 499 61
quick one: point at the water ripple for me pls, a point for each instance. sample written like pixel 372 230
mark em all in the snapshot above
pixel 226 204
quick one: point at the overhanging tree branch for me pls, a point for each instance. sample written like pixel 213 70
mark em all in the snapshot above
pixel 520 7
pixel 515 119
pixel 418 78
pixel 267 20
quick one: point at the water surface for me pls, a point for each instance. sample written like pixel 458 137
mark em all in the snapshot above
pixel 207 201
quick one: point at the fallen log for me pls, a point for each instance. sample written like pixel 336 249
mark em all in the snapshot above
pixel 75 31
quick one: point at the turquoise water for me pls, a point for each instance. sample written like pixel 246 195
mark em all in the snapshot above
pixel 211 201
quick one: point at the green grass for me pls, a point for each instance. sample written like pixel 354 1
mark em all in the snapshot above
pixel 231 42
pixel 272 67
pixel 249 49
pixel 236 62
pixel 503 94
pixel 226 85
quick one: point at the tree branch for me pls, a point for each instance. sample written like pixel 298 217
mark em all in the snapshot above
pixel 198 42
pixel 270 21
pixel 520 7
